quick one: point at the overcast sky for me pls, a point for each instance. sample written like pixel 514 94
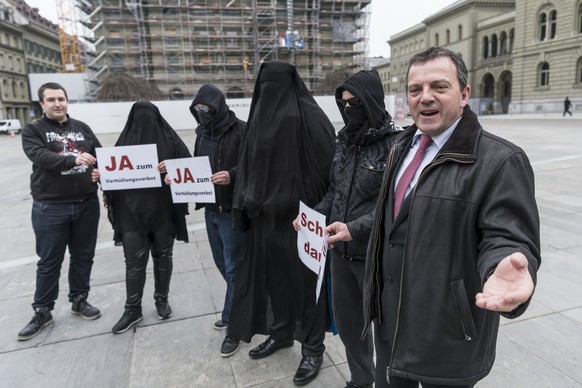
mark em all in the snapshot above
pixel 388 18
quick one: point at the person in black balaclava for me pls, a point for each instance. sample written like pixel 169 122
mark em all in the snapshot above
pixel 218 136
pixel 362 147
pixel 285 158
pixel 146 219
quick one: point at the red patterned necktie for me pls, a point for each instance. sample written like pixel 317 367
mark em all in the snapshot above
pixel 408 174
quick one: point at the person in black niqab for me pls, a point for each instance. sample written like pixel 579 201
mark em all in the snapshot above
pixel 146 219
pixel 285 158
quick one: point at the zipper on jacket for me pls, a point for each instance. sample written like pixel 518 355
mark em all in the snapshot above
pixel 423 173
pixel 219 169
pixel 376 283
pixel 460 317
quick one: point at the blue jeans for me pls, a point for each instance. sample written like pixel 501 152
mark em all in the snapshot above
pixel 56 226
pixel 225 245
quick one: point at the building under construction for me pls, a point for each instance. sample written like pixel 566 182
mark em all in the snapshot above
pixel 178 45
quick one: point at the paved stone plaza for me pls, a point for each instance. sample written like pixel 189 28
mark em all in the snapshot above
pixel 543 348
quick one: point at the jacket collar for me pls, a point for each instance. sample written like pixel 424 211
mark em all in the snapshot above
pixel 463 141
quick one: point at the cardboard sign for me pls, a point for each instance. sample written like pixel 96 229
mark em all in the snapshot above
pixel 191 180
pixel 312 242
pixel 128 167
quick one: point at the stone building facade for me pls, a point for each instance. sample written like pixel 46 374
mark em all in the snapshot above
pixel 29 43
pixel 522 56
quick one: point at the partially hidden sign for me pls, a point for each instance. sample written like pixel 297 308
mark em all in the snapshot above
pixel 312 242
pixel 190 179
pixel 128 167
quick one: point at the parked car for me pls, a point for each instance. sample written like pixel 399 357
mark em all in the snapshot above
pixel 8 126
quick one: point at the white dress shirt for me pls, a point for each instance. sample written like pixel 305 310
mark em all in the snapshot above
pixel 434 147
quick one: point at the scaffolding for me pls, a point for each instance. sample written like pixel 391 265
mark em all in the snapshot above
pixel 68 38
pixel 180 44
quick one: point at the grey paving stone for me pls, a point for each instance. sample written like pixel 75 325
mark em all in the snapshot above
pixel 539 349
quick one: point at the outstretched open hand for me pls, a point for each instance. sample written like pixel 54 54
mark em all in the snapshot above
pixel 508 286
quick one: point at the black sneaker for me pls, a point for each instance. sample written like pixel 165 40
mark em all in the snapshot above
pixel 229 346
pixel 42 317
pixel 84 309
pixel 163 307
pixel 130 317
pixel 219 325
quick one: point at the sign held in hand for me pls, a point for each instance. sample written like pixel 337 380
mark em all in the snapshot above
pixel 128 167
pixel 312 242
pixel 190 179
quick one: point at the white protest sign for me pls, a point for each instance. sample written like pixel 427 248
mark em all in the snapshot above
pixel 128 167
pixel 191 180
pixel 312 242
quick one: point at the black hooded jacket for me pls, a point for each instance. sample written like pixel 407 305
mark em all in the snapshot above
pixel 219 139
pixel 358 164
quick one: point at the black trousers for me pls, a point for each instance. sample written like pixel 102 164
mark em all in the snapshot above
pixel 347 284
pixel 383 360
pixel 136 249
pixel 284 275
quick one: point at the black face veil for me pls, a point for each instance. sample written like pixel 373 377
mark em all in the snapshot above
pixel 148 209
pixel 145 125
pixel 288 146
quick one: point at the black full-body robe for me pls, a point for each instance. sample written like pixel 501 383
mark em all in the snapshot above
pixel 285 158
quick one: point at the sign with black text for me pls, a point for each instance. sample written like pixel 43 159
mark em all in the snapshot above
pixel 312 242
pixel 190 179
pixel 128 167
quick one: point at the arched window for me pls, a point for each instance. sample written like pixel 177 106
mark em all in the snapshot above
pixel 547 24
pixel 511 34
pixel 544 74
pixel 460 28
pixel 5 88
pixel 448 36
pixel 436 39
pixel 553 23
pixel 579 18
pixel 488 86
pixel 503 43
pixel 542 25
pixel 494 45
pixel 485 47
pixel 14 92
pixel 579 71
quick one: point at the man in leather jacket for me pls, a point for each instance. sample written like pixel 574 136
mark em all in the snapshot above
pixel 464 246
pixel 362 147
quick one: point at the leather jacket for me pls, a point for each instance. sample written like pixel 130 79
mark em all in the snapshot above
pixel 472 206
pixel 355 179
pixel 220 140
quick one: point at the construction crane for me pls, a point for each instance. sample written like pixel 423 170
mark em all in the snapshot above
pixel 68 38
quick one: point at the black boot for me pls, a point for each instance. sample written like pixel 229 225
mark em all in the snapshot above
pixel 130 317
pixel 163 307
pixel 162 276
pixel 42 317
